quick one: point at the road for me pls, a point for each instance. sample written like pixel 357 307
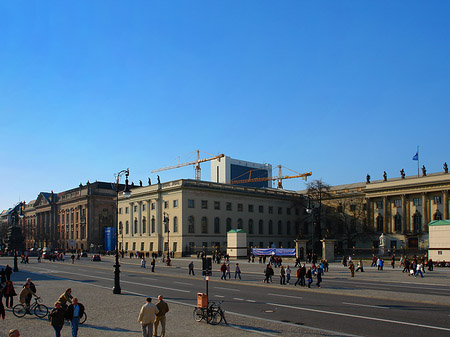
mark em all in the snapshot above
pixel 375 304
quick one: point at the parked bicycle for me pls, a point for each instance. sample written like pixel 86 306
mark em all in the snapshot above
pixel 40 310
pixel 213 314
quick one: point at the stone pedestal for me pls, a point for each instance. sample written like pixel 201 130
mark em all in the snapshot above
pixel 300 248
pixel 237 243
pixel 328 249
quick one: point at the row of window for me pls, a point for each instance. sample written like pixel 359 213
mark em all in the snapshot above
pixel 240 207
pixel 416 202
pixel 417 222
pixel 152 206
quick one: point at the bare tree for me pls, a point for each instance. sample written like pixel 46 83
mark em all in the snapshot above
pixel 317 191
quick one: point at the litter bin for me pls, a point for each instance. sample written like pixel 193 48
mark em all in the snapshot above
pixel 202 300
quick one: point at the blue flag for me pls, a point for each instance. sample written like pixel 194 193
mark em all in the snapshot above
pixel 416 156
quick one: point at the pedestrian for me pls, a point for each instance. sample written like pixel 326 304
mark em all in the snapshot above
pixel 267 273
pixel 73 314
pixel 143 262
pixel 419 270
pixel 2 308
pixel 8 272
pixel 344 261
pixel 360 266
pixel 223 269
pixel 147 317
pixel 228 271
pixel 73 258
pixel 393 261
pixel 65 297
pixel 288 274
pixel 23 296
pixel 351 266
pixel 153 263
pixel 9 294
pixel 374 261
pixel 163 308
pixel 32 288
pixel 237 271
pixel 298 274
pixel 56 318
pixel 14 333
pixel 319 276
pixel 282 275
pixel 2 276
pixel 430 264
pixel 309 277
pixel 191 268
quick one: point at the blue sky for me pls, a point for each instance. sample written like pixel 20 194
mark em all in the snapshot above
pixel 339 88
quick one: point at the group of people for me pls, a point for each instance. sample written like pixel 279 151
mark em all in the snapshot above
pixel 66 308
pixel 151 315
pixel 7 290
pixel 225 269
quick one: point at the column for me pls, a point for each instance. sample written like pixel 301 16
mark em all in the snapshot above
pixel 131 219
pixel 386 215
pixel 445 199
pixel 140 218
pixel 149 222
pixel 408 217
pixel 404 223
pixel 425 210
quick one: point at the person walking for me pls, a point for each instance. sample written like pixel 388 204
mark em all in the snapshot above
pixel 147 317
pixel 153 263
pixel 351 266
pixel 2 308
pixel 360 266
pixel 163 309
pixel 191 268
pixel 228 271
pixel 143 262
pixel 309 277
pixel 56 318
pixel 73 314
pixel 237 272
pixel 223 269
pixel 8 272
pixel 419 270
pixel 65 297
pixel 319 275
pixel 9 293
pixel 73 258
pixel 288 274
pixel 282 275
pixel 2 276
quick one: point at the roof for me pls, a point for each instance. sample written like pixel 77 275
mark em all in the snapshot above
pixel 439 223
pixel 236 231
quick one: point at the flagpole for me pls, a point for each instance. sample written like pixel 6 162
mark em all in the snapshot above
pixel 418 165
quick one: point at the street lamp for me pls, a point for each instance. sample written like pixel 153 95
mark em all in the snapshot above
pixel 126 194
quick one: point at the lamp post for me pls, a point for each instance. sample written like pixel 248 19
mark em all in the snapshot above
pixel 126 194
pixel 166 228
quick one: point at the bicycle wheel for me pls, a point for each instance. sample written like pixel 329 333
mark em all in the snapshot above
pixel 198 314
pixel 19 310
pixel 83 318
pixel 41 311
pixel 215 317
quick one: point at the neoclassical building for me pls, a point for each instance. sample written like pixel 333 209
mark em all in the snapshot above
pixel 189 215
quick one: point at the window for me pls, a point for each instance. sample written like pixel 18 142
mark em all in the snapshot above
pixel 175 224
pixel 135 208
pixel 135 225
pixel 204 225
pixel 250 226
pixel 280 210
pixel 143 207
pixel 153 205
pixel 250 208
pixel 217 225
pixel 134 245
pixel 398 223
pixel 120 210
pixel 191 223
pixel 153 224
pixel 191 203
pixel 288 228
pixel 270 227
pixel 437 200
pixel 142 246
pixel 166 204
pixel 398 202
pixel 204 204
pixel 240 207
pixel 288 211
pixel 144 225
pixel 270 209
pixel 216 204
pixel 279 229
pixel 175 203
pixel 380 223
pixel 228 206
pixel 166 224
pixel 417 222
pixel 228 224
pixel 240 224
pixel 127 228
pixel 126 245
pixel 120 228
pixel 151 247
pixel 126 210
pixel 379 204
pixel 417 201
pixel 261 209
pixel 261 227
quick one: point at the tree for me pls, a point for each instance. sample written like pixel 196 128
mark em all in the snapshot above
pixel 317 191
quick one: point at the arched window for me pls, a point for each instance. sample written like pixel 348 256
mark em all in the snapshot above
pixel 250 226
pixel 288 228
pixel 279 229
pixel 120 228
pixel 270 227
pixel 127 228
pixel 191 223
pixel 144 225
pixel 204 225
pixel 175 224
pixel 261 227
pixel 228 224
pixel 153 224
pixel 398 222
pixel 437 215
pixel 417 222
pixel 216 225
pixel 239 224
pixel 380 223
pixel 135 225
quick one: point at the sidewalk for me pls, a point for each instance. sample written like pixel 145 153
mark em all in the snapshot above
pixel 112 315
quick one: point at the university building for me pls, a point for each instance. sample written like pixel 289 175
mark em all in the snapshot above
pixel 185 216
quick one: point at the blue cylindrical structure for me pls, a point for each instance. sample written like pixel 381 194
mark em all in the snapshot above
pixel 110 238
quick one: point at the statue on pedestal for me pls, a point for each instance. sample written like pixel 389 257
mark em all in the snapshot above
pixel 445 167
pixel 384 176
pixel 368 178
pixel 402 173
pixel 424 171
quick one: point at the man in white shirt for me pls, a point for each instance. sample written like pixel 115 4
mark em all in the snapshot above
pixel 147 317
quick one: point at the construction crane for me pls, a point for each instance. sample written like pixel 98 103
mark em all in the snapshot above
pixel 280 177
pixel 198 170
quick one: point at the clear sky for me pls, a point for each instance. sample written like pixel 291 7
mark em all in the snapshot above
pixel 339 88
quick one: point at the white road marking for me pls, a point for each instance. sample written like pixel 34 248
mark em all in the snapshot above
pixel 251 301
pixel 238 299
pixel 362 317
pixel 185 283
pixel 230 289
pixel 219 296
pixel 288 296
pixel 367 305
